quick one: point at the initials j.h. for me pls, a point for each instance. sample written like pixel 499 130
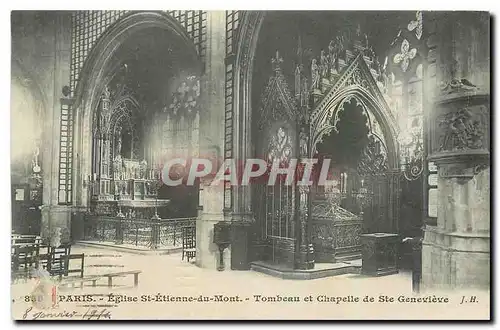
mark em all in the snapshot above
pixel 471 299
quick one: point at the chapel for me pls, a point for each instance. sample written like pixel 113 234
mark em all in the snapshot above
pixel 396 104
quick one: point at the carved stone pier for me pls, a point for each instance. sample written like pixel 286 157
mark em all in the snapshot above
pixel 456 251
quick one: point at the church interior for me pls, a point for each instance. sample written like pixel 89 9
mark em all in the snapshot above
pixel 398 103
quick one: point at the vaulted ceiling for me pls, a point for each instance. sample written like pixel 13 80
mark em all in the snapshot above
pixel 148 61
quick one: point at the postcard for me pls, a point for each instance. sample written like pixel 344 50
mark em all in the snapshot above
pixel 250 165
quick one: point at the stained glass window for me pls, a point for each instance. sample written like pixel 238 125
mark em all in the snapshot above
pixel 180 126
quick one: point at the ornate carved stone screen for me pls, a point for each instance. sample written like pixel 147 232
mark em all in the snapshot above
pixel 118 143
pixel 350 93
pixel 279 205
pixel 358 200
pixel 274 205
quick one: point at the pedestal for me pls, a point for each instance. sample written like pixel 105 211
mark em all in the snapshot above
pixel 56 216
pixel 240 245
pixel 380 254
pixel 207 252
pixel 453 260
pixel 456 252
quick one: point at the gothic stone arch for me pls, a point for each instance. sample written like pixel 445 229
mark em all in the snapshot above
pixel 93 80
pixel 248 35
pixel 368 92
pixel 356 82
pixel 249 30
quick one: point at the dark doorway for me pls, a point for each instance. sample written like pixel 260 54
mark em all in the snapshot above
pixel 26 214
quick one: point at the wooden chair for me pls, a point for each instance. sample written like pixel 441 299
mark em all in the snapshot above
pixel 24 259
pixel 188 242
pixel 56 260
pixel 67 263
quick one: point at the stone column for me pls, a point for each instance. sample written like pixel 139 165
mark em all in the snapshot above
pixel 304 256
pixel 212 141
pixel 394 190
pixel 456 252
pixel 54 215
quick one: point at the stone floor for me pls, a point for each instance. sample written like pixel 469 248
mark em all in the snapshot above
pixel 130 248
pixel 244 294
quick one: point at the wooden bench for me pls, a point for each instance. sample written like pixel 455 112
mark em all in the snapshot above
pixel 25 239
pixel 121 274
pixel 81 281
pixel 110 277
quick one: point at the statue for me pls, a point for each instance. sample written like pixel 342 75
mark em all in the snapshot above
pixel 130 214
pixel 384 76
pixel 331 47
pixel 117 166
pixel 323 64
pixel 332 57
pixel 303 143
pixel 118 146
pixel 104 111
pixel 314 75
pixel 297 77
pixel 339 45
pixel 142 169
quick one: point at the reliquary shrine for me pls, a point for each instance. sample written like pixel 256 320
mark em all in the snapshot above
pixel 344 107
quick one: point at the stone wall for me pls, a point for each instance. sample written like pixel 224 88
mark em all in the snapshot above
pixel 41 57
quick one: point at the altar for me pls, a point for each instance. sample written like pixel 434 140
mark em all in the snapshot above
pixel 125 175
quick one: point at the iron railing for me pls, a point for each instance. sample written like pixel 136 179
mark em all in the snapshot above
pixel 149 233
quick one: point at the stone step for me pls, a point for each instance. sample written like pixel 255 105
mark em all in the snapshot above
pixel 319 271
pixel 348 257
